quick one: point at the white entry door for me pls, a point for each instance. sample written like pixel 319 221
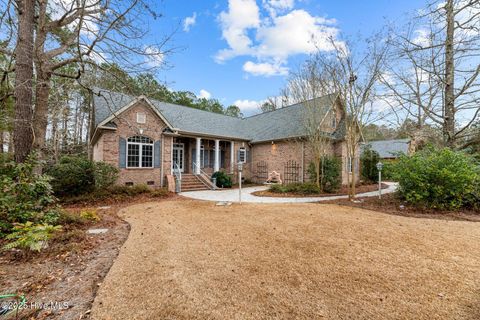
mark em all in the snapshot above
pixel 178 155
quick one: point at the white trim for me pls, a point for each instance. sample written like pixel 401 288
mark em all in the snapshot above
pixel 197 155
pixel 131 104
pixel 140 149
pixel 216 152
pixel 182 168
pixel 232 156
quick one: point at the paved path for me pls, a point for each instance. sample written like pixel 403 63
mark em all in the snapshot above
pixel 231 195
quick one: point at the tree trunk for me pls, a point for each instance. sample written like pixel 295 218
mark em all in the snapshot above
pixel 90 124
pixel 22 132
pixel 2 141
pixel 40 119
pixel 449 102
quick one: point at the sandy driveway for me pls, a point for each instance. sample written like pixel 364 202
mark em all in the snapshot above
pixel 188 259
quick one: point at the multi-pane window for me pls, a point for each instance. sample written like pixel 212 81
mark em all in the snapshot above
pixel 139 152
pixel 242 155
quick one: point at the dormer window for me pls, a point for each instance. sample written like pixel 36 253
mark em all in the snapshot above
pixel 141 117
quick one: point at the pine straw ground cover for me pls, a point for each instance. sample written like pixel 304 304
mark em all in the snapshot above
pixel 188 259
pixel 70 269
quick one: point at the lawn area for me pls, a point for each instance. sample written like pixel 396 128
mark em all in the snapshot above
pixel 192 259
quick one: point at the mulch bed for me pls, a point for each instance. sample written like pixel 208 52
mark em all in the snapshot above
pixel 392 204
pixel 342 192
pixel 72 268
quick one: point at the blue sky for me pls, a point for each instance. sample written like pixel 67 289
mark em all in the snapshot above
pixel 240 51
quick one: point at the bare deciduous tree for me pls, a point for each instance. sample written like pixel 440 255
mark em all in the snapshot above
pixel 434 73
pixel 307 86
pixel 353 75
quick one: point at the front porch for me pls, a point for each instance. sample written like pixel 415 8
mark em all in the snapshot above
pixel 195 155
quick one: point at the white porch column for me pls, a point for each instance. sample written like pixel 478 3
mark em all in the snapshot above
pixel 216 164
pixel 232 157
pixel 197 156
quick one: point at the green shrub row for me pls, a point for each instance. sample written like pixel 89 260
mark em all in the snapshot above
pixel 297 188
pixel 443 179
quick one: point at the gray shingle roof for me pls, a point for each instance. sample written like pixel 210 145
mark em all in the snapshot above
pixel 279 124
pixel 389 148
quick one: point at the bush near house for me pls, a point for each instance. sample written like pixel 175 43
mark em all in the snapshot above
pixel 369 159
pixel 443 179
pixel 223 179
pixel 332 177
pixel 74 176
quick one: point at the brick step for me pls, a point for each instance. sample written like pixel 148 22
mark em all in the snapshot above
pixel 193 185
pixel 185 188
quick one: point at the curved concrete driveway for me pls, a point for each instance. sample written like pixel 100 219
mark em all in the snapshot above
pixel 231 195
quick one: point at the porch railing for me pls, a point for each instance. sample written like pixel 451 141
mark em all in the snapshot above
pixel 177 173
pixel 203 176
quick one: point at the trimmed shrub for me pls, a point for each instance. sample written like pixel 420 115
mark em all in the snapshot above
pixel 73 176
pixel 369 159
pixel 332 176
pixel 277 188
pixel 223 179
pixel 298 188
pixel 443 179
pixel 105 175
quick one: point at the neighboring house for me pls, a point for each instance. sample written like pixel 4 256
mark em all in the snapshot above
pixel 151 141
pixel 389 149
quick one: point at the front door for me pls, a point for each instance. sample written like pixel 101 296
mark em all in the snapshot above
pixel 178 156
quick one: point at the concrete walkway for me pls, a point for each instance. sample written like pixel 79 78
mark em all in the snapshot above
pixel 231 195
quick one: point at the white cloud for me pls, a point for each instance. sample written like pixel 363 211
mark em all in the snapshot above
pixel 305 33
pixel 264 69
pixel 422 38
pixel 272 40
pixel 241 16
pixel 154 57
pixel 248 105
pixel 204 94
pixel 276 6
pixel 189 22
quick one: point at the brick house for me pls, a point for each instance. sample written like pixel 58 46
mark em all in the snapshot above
pixel 151 142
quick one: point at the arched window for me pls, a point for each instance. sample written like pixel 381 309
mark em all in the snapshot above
pixel 139 152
